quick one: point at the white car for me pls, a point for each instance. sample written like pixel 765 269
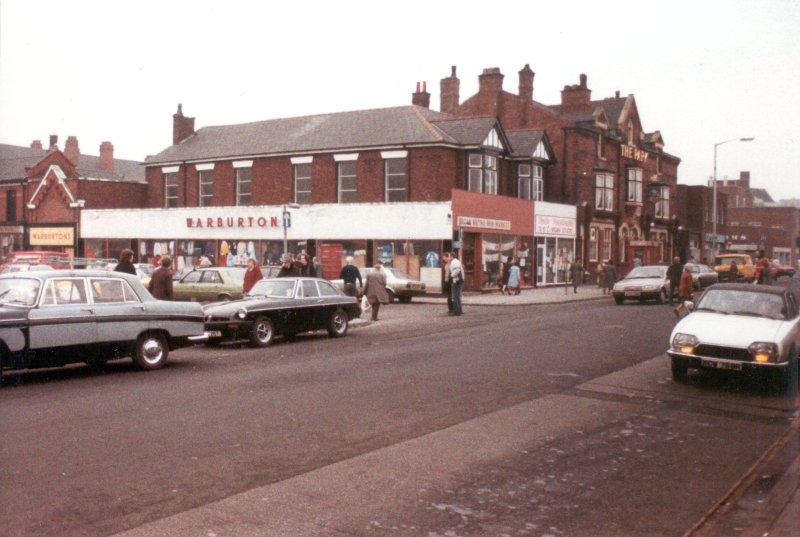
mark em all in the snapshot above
pixel 740 327
pixel 643 283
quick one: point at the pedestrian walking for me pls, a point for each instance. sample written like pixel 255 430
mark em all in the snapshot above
pixel 160 285
pixel 513 283
pixel 447 284
pixel 126 262
pixel 349 274
pixel 609 277
pixel 455 275
pixel 317 267
pixel 674 272
pixel 251 275
pixel 504 272
pixel 686 285
pixel 288 270
pixel 303 265
pixel 598 271
pixel 576 275
pixel 375 289
pixel 733 272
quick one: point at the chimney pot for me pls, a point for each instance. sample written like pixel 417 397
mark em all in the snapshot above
pixel 616 94
pixel 448 92
pixel 583 80
pixel 417 87
pixel 421 98
pixel 107 156
pixel 53 141
pixel 424 86
pixel 182 126
pixel 453 71
pixel 36 144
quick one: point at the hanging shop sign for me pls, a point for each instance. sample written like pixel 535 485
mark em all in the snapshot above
pixel 483 223
pixel 632 152
pixel 554 225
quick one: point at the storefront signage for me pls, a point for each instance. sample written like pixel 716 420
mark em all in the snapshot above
pixel 710 237
pixel 632 152
pixel 484 223
pixel 51 236
pixel 231 222
pixel 553 225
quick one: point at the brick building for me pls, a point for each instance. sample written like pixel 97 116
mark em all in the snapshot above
pixel 618 175
pixel 44 191
pixel 741 194
pixel 772 230
pixel 695 238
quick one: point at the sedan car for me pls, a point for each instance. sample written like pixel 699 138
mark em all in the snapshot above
pixel 58 317
pixel 703 276
pixel 212 283
pixel 643 283
pixel 739 327
pixel 24 267
pixel 281 306
pixel 399 285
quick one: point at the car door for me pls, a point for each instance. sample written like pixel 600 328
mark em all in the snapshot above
pixel 309 305
pixel 211 285
pixel 187 287
pixel 119 312
pixel 64 316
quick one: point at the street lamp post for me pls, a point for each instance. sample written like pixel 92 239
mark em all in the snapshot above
pixel 714 188
pixel 286 221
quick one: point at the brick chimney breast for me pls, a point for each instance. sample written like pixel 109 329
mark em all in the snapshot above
pixel 744 179
pixel 575 98
pixel 448 95
pixel 421 97
pixel 71 150
pixel 53 141
pixel 36 144
pixel 526 83
pixel 182 126
pixel 490 91
pixel 107 157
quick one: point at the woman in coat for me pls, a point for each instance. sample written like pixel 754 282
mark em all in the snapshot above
pixel 609 277
pixel 686 285
pixel 513 283
pixel 251 276
pixel 375 289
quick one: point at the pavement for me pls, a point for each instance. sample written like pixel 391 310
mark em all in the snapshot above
pixel 540 295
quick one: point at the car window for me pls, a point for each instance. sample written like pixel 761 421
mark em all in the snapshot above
pixel 192 277
pixel 283 288
pixel 647 272
pixel 326 289
pixel 19 291
pixel 211 276
pixel 106 291
pixel 309 290
pixel 236 274
pixel 65 291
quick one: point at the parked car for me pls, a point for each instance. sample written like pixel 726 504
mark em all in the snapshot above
pixel 64 316
pixel 739 327
pixel 212 283
pixel 399 285
pixel 643 283
pixel 281 306
pixel 703 276
pixel 745 268
pixel 144 271
pixel 781 271
pixel 58 260
pixel 24 267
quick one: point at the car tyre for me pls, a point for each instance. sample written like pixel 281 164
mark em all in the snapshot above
pixel 338 324
pixel 680 371
pixel 405 299
pixel 619 300
pixel 151 352
pixel 262 332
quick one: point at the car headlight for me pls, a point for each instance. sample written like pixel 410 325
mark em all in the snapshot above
pixel 241 314
pixel 684 343
pixel 651 288
pixel 762 351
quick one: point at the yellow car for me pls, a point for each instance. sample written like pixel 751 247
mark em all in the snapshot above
pixel 745 268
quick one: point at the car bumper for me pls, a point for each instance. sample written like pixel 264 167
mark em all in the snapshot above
pixel 702 362
pixel 202 338
pixel 409 292
pixel 636 295
pixel 232 329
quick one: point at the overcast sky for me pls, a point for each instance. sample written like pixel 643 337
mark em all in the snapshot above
pixel 702 72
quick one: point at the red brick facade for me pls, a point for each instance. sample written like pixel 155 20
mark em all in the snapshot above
pixel 772 230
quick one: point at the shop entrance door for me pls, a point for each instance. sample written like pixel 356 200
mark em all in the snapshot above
pixel 540 260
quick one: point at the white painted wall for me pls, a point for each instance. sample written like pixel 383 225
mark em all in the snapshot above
pixel 545 208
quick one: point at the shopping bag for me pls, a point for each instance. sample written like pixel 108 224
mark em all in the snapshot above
pixel 365 305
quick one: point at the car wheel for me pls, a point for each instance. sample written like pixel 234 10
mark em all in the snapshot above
pixel 338 324
pixel 262 332
pixel 619 300
pixel 680 371
pixel 392 296
pixel 662 297
pixel 151 352
pixel 405 299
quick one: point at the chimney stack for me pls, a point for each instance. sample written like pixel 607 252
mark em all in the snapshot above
pixel 53 141
pixel 490 91
pixel 107 157
pixel 71 149
pixel 182 126
pixel 576 98
pixel 744 179
pixel 526 83
pixel 421 98
pixel 616 94
pixel 448 96
pixel 36 144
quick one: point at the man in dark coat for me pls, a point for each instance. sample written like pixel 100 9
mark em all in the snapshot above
pixel 609 277
pixel 288 270
pixel 576 275
pixel 126 262
pixel 349 275
pixel 160 285
pixel 674 276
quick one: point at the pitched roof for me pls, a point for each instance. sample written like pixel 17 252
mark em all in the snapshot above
pixel 612 106
pixel 524 143
pixel 14 159
pixel 762 194
pixel 342 130
pixel 467 131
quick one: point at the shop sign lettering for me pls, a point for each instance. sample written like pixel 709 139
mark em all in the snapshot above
pixel 632 152
pixel 228 222
pixel 485 223
pixel 554 225
pixel 51 236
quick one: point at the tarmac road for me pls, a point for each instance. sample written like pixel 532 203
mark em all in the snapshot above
pixel 535 420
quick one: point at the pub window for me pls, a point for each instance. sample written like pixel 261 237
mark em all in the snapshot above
pixel 662 202
pixel 243 186
pixel 302 183
pixel 604 192
pixel 347 181
pixel 171 189
pixel 475 173
pixel 608 238
pixel 524 181
pixel 206 188
pixel 396 171
pixel 538 183
pixel 635 185
pixel 11 206
pixel 593 244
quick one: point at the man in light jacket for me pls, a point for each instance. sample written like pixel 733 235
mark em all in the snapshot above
pixel 455 277
pixel 375 289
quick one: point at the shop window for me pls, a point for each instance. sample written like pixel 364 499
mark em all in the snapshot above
pixel 524 187
pixel 302 183
pixel 396 173
pixel 243 186
pixel 604 192
pixel 346 171
pixel 635 185
pixel 608 238
pixel 171 189
pixel 205 188
pixel 662 202
pixel 593 244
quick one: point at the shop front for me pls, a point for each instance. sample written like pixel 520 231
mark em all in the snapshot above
pixel 12 238
pixel 405 236
pixel 555 229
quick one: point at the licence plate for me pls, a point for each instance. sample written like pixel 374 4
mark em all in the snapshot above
pixel 215 333
pixel 721 365
pixel 632 293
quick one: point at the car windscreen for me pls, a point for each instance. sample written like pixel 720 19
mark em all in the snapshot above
pixel 728 260
pixel 282 288
pixel 743 302
pixel 646 272
pixel 19 291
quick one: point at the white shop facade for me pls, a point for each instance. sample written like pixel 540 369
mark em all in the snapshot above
pixel 555 229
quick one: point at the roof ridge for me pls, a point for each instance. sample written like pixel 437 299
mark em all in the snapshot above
pixel 426 124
